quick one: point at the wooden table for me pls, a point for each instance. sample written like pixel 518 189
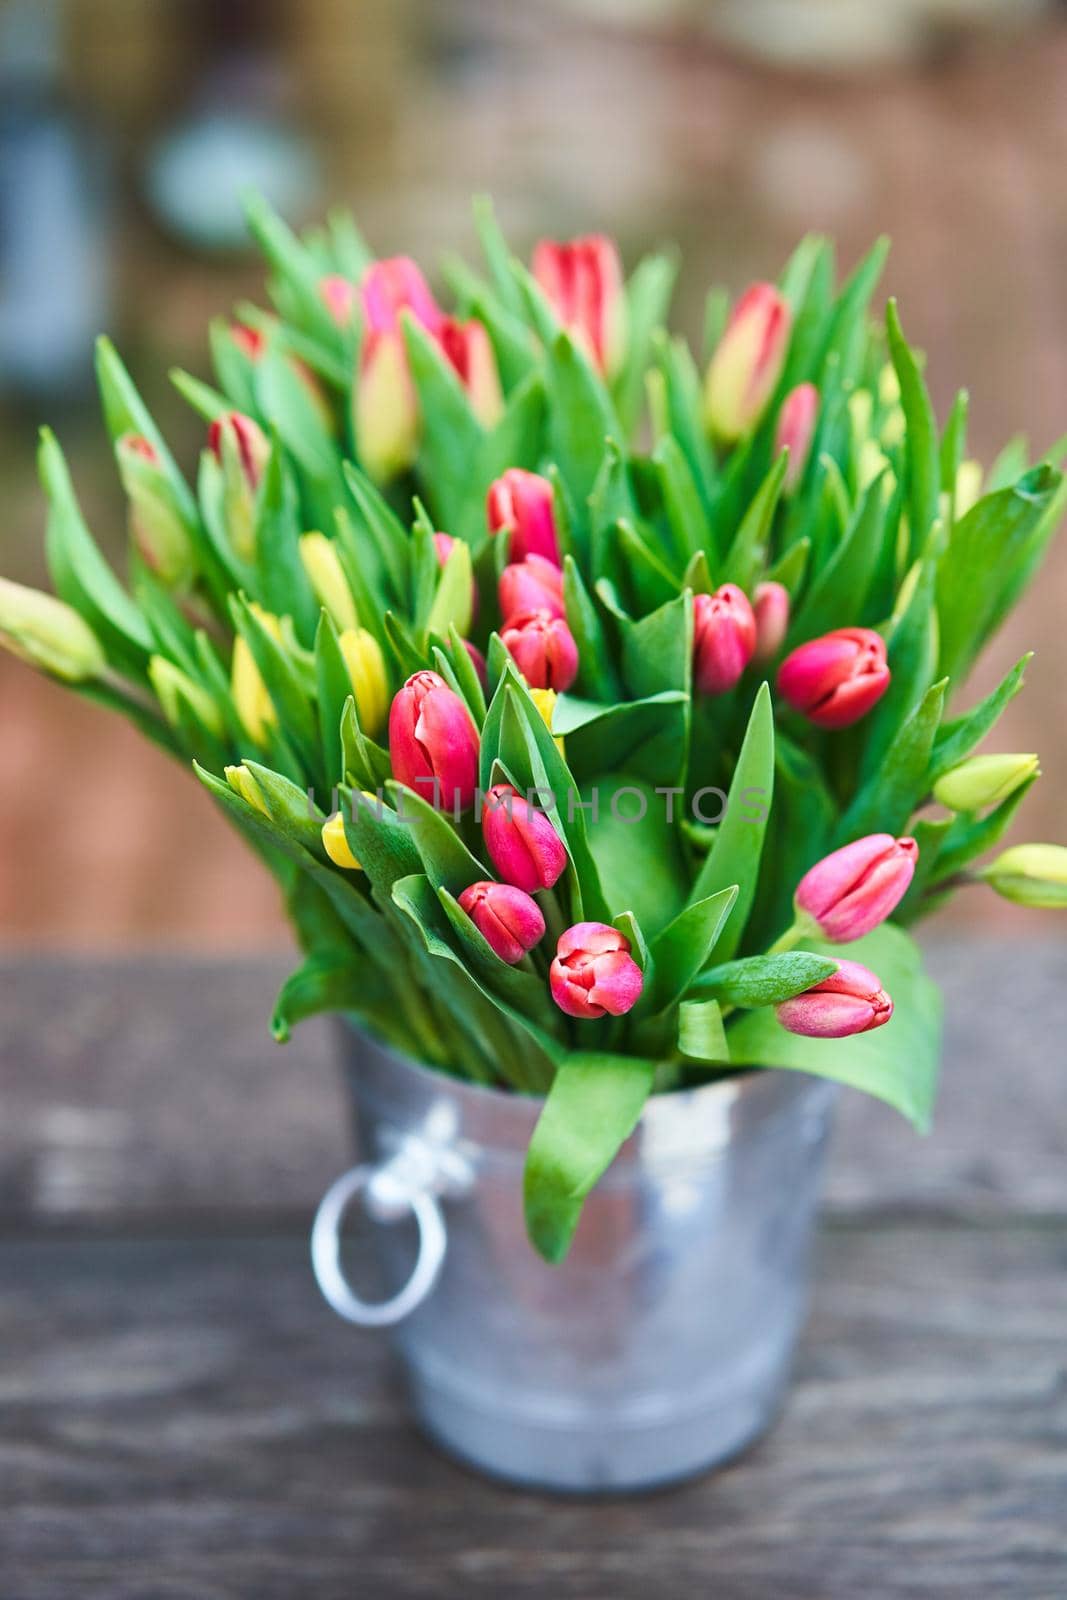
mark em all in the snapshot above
pixel 183 1417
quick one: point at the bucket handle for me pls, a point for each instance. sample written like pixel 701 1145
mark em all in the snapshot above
pixel 387 1201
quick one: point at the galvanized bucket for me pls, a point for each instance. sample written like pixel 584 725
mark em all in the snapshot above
pixel 660 1347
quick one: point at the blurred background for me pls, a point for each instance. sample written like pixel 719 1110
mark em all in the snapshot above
pixel 128 129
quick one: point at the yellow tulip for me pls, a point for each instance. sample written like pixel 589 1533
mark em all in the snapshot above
pixel 335 843
pixel 242 783
pixel 327 577
pixel 545 701
pixel 254 705
pixel 366 669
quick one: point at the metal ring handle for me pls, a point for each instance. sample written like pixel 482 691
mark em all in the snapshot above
pixel 326 1253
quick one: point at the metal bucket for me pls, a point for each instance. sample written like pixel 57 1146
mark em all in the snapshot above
pixel 660 1347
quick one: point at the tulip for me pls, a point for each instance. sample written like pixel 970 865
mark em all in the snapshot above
pixel 523 845
pixel 524 503
pixel 251 699
pixel 851 1001
pixel 336 845
pixel 1030 875
pixel 242 449
pixel 770 607
pixel 252 344
pixel 178 693
pixel 724 638
pixel 836 679
pixel 387 407
pixel 984 781
pixel 366 669
pixel 470 353
pixel 852 890
pixel 968 487
pixel 327 577
pixel 594 972
pixel 531 585
pixel 796 430
pixel 250 341
pixel 156 525
pixel 433 744
pixel 545 701
pixel 48 634
pixel 583 283
pixel 340 297
pixel 508 920
pixel 543 648
pixel 245 785
pixel 747 365
pixel 444 544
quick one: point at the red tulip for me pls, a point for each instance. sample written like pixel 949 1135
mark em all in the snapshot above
pixel 470 352
pixel 524 503
pixel 433 744
pixel 387 409
pixel 594 973
pixel 851 1001
pixel 250 341
pixel 523 845
pixel 747 365
pixel 583 282
pixel 836 679
pixel 852 890
pixel 796 430
pixel 543 648
pixel 724 638
pixel 531 585
pixel 771 609
pixel 509 921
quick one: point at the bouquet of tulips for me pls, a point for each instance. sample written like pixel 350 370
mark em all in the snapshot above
pixel 592 710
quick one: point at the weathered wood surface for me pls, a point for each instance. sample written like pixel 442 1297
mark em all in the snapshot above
pixel 181 1418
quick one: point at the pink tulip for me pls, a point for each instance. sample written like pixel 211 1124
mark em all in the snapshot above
pixel 543 648
pixel 851 1001
pixel 531 585
pixel 250 341
pixel 340 296
pixel 523 845
pixel 509 921
pixel 852 890
pixel 470 352
pixel 747 365
pixel 387 408
pixel 594 972
pixel 524 503
pixel 771 608
pixel 444 544
pixel 433 744
pixel 796 430
pixel 244 438
pixel 583 283
pixel 724 638
pixel 836 679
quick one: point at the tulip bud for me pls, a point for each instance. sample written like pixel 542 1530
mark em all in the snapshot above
pixel 968 487
pixel 545 701
pixel 770 607
pixel 444 544
pixel 531 585
pixel 508 920
pixel 543 648
pixel 366 668
pixel 242 449
pixel 523 845
pixel 851 1001
pixel 1030 875
pixel 336 845
pixel 48 634
pixel 244 784
pixel 583 282
pixel 387 408
pixel 796 430
pixel 524 503
pixel 852 890
pixel 594 973
pixel 175 690
pixel 745 368
pixel 156 525
pixel 340 296
pixel 984 781
pixel 433 744
pixel 252 702
pixel 470 352
pixel 724 638
pixel 327 577
pixel 836 679
pixel 250 341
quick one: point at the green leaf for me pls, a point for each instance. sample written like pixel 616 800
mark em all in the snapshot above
pixel 451 435
pixel 956 739
pixel 283 583
pixel 701 1033
pixel 329 980
pixel 684 948
pixel 734 858
pixel 889 797
pixel 125 412
pixel 921 446
pixel 846 577
pixel 640 862
pixel 954 443
pixel 686 516
pixel 648 296
pixel 596 677
pixel 765 980
pixel 452 602
pixel 592 1108
pixel 445 858
pixel 748 553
